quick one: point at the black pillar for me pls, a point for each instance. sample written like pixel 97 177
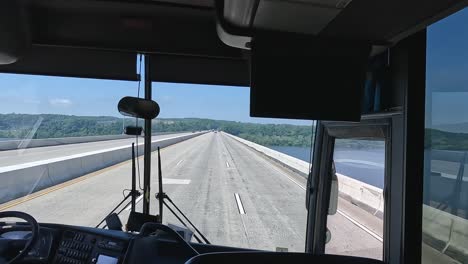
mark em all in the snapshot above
pixel 147 157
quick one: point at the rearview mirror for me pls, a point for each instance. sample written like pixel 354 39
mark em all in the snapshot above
pixel 138 107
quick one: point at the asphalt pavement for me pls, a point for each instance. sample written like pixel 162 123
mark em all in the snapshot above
pixel 233 194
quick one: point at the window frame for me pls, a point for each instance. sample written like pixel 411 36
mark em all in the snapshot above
pixel 377 126
pixel 404 185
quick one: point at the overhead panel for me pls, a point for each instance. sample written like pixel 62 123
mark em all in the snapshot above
pixel 129 26
pixel 300 16
pixel 75 62
pixel 199 70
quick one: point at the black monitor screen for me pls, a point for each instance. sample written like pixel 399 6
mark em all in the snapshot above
pixel 316 82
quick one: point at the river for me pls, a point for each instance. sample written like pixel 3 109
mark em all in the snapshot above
pixel 366 165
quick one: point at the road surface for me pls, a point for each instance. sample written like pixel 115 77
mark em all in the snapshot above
pixel 234 195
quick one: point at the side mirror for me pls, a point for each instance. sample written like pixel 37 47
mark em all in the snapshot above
pixel 138 107
pixel 333 205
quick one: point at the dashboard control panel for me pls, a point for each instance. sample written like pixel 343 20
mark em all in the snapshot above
pixel 76 247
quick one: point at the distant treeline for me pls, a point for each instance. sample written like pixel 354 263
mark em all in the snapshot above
pixel 264 134
pixel 54 126
pixel 437 139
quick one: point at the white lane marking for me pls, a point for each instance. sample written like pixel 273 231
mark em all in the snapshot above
pixel 178 163
pixel 367 230
pixel 289 177
pixel 239 203
pixel 136 202
pixel 175 181
pixel 227 164
pixel 47 161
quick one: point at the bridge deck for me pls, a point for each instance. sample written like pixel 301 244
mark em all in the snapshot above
pixel 202 175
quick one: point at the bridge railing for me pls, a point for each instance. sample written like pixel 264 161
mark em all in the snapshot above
pixel 445 209
pixel 46 142
pixel 23 179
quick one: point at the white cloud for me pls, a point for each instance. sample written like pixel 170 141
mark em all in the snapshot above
pixel 31 101
pixel 60 102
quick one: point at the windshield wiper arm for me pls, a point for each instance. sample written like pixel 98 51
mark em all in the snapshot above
pixel 161 196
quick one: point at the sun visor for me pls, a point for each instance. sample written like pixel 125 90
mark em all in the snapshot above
pixel 200 70
pixel 14 31
pixel 300 77
pixel 75 62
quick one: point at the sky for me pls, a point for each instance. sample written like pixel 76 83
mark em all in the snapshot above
pixel 76 96
pixel 447 70
pixel 447 77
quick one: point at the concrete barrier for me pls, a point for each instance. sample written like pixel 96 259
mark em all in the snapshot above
pixel 446 233
pixel 366 196
pixel 447 190
pixel 297 165
pixel 34 143
pixel 23 179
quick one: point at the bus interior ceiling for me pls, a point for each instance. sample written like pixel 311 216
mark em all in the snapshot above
pixel 265 44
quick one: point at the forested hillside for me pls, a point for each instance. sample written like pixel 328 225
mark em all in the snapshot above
pixel 53 126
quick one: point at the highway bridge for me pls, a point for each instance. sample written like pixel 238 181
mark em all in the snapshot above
pixel 233 194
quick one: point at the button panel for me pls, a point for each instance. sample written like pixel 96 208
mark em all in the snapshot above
pixel 74 249
pixel 80 247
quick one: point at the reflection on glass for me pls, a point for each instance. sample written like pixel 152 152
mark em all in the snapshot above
pixel 445 208
pixel 357 227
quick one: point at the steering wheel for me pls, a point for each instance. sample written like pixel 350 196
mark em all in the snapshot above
pixel 8 245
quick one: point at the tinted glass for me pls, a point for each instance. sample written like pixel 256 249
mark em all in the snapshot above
pixel 445 208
